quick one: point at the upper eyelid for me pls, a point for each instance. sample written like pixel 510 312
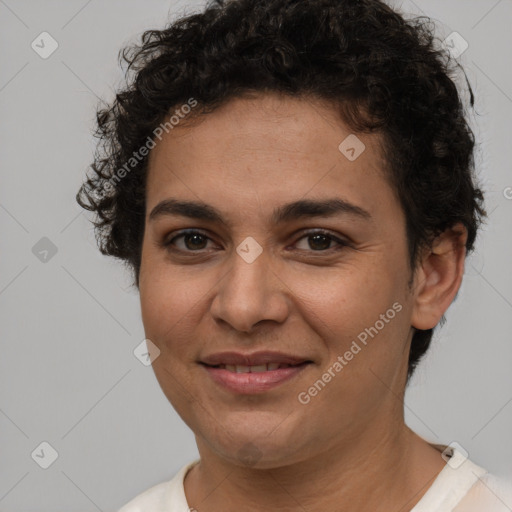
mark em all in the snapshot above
pixel 168 240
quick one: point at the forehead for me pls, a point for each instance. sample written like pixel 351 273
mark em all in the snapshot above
pixel 297 128
pixel 273 147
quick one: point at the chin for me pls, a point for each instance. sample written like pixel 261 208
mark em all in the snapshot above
pixel 259 451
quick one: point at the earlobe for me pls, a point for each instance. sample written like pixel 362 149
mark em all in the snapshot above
pixel 438 277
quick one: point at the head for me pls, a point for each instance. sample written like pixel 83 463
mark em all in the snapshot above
pixel 245 109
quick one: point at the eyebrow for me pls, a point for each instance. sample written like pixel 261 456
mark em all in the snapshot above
pixel 292 211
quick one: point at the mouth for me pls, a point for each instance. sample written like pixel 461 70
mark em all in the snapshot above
pixel 253 360
pixel 254 373
pixel 269 367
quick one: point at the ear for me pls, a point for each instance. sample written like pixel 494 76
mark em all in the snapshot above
pixel 438 277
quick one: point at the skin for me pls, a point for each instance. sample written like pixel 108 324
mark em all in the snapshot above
pixel 348 448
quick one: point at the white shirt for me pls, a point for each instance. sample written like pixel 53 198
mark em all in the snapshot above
pixel 461 486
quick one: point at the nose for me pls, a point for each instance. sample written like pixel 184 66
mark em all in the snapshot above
pixel 250 293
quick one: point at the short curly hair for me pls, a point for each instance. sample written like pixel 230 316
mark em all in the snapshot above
pixel 383 73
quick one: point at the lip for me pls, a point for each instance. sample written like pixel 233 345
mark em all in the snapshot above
pixel 254 359
pixel 253 383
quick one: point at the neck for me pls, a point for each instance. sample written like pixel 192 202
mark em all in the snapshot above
pixel 373 472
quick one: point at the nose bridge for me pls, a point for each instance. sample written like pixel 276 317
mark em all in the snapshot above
pixel 250 291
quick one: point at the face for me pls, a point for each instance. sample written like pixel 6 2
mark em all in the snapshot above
pixel 324 285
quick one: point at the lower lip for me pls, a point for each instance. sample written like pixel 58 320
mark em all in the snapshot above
pixel 253 383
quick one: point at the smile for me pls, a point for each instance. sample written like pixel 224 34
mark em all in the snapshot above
pixel 253 369
pixel 251 380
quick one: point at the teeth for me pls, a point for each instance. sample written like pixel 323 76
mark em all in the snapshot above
pixel 259 368
pixel 253 369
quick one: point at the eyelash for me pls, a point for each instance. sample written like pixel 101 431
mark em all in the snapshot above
pixel 341 243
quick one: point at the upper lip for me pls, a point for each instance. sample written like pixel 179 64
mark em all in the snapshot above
pixel 254 359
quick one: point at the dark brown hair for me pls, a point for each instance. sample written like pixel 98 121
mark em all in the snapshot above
pixel 382 72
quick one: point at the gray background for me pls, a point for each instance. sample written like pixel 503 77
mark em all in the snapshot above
pixel 68 375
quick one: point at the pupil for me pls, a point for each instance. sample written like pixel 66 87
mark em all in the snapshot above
pixel 194 236
pixel 316 237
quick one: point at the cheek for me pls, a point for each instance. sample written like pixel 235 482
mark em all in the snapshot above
pixel 361 317
pixel 167 306
pixel 362 325
pixel 173 307
pixel 162 294
pixel 348 301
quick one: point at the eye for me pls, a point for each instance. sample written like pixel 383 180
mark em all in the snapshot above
pixel 193 241
pixel 320 241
